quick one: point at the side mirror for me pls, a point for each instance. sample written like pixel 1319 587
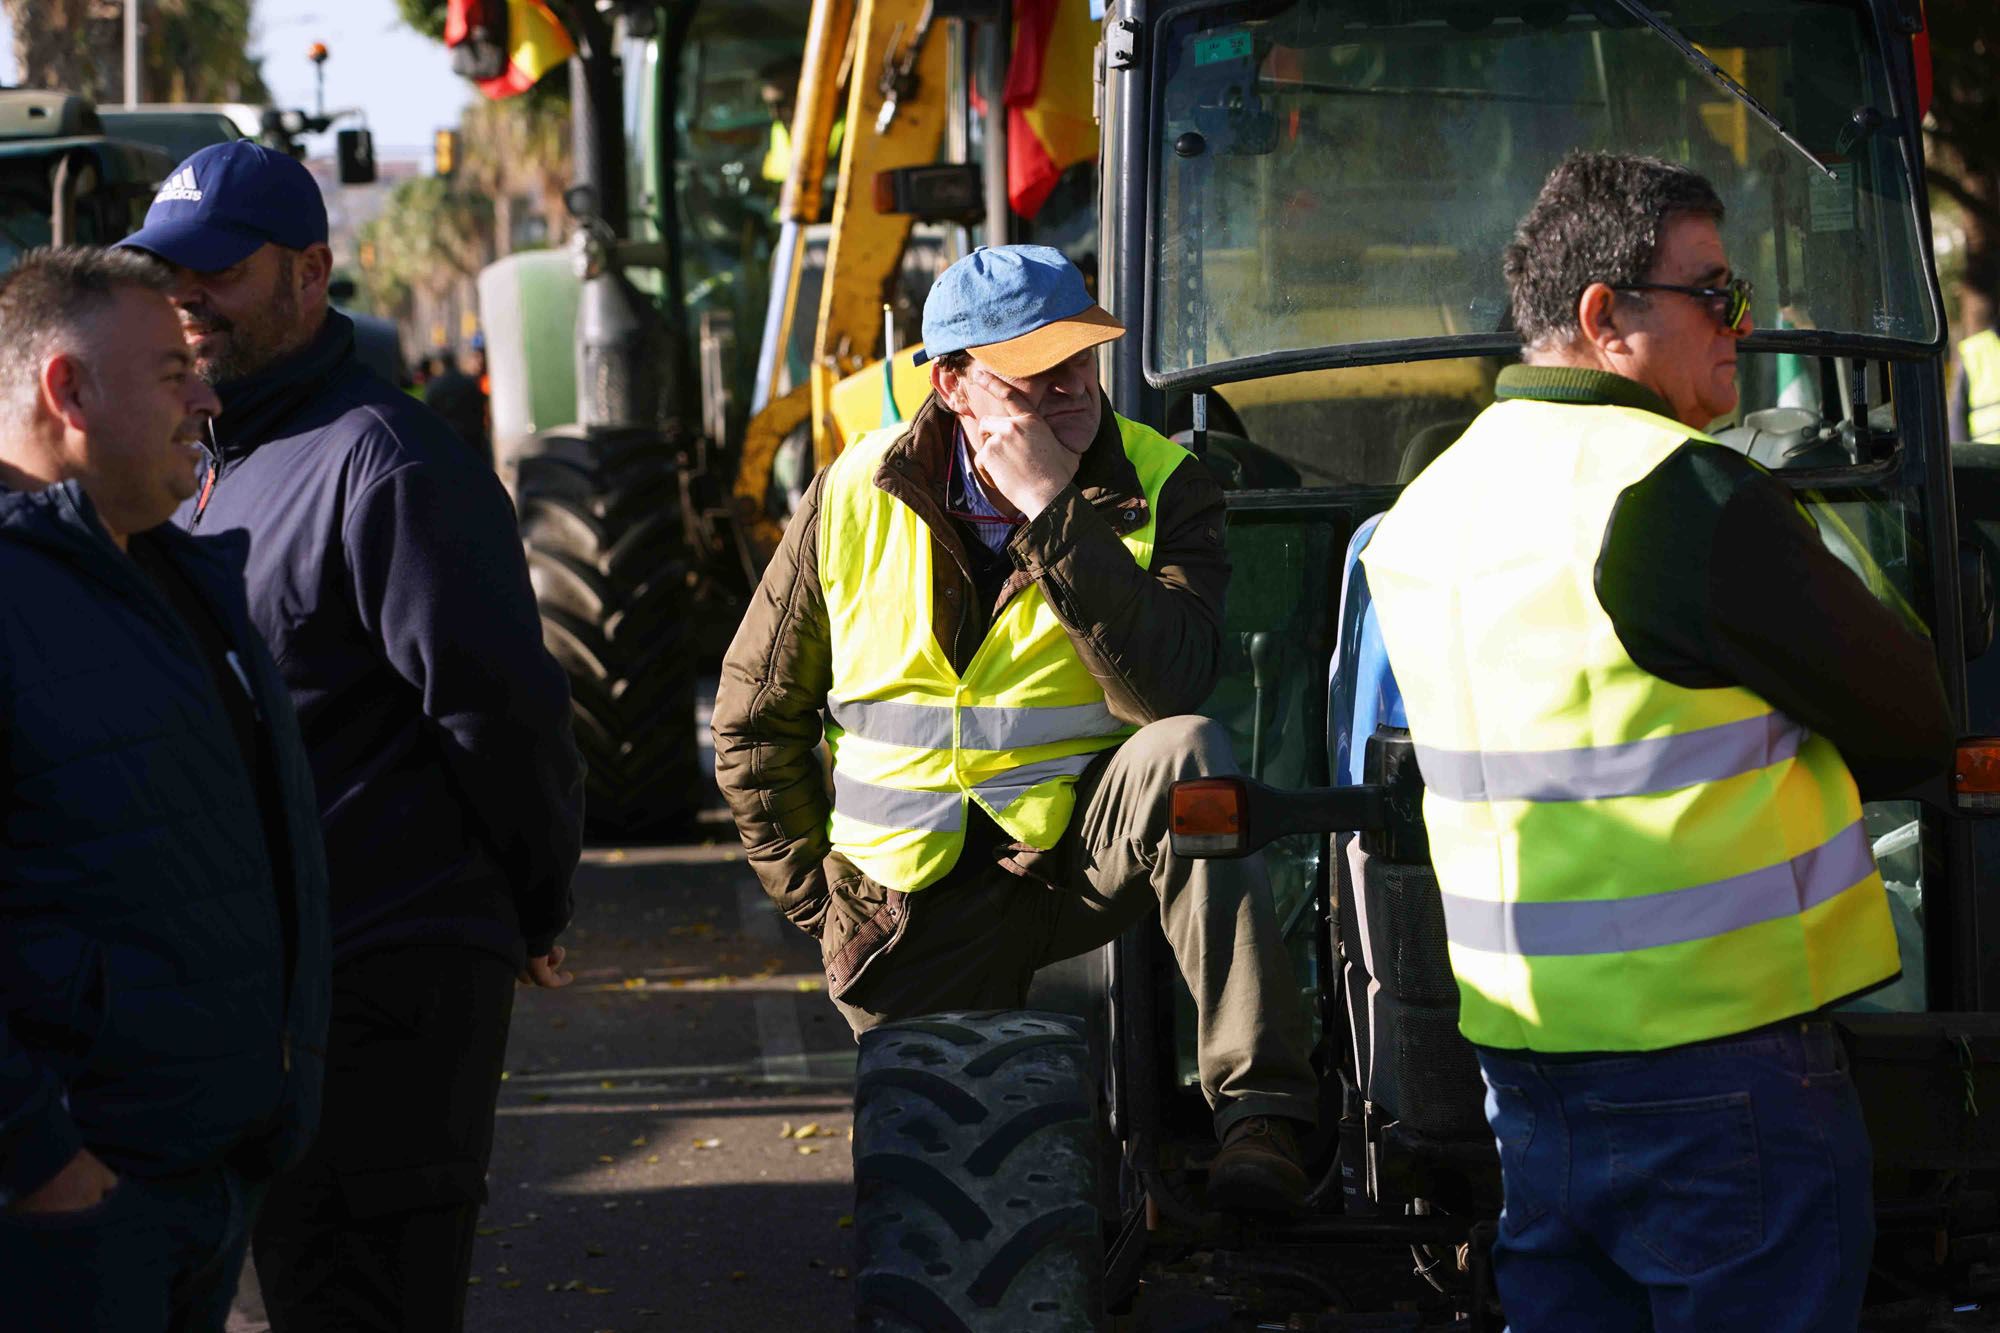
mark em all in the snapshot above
pixel 1975 595
pixel 355 151
pixel 580 201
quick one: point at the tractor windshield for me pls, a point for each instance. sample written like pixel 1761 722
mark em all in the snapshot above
pixel 1343 174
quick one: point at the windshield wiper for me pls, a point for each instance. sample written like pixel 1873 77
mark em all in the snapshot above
pixel 1719 76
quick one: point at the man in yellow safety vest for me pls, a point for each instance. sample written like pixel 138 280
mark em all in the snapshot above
pixel 1001 617
pixel 1974 410
pixel 1641 692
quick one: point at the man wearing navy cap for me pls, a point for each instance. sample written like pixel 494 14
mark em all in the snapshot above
pixel 1002 619
pixel 386 575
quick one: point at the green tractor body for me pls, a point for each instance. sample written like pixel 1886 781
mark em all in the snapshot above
pixel 1305 206
pixel 615 457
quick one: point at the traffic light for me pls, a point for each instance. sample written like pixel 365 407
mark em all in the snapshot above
pixel 444 150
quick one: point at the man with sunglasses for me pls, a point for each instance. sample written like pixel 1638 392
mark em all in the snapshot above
pixel 1002 618
pixel 1647 704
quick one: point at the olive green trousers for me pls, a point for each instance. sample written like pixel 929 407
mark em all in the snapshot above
pixel 974 939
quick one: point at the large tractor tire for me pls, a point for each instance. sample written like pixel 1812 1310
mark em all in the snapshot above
pixel 975 1175
pixel 601 519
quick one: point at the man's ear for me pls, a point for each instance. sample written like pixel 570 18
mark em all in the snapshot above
pixel 313 273
pixel 1597 318
pixel 62 384
pixel 945 384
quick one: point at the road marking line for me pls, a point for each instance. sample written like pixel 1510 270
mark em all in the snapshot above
pixel 778 1036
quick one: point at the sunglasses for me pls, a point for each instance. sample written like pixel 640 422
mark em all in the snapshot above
pixel 1728 304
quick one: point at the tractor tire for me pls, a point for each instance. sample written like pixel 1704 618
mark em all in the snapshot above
pixel 975 1141
pixel 601 523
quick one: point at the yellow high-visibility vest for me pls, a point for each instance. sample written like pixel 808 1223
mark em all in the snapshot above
pixel 1979 361
pixel 913 741
pixel 1627 864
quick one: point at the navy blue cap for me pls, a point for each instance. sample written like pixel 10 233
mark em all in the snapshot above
pixel 1018 308
pixel 226 201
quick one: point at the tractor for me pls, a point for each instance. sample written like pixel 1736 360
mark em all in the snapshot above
pixel 1302 209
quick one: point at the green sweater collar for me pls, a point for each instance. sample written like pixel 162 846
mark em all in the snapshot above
pixel 1575 384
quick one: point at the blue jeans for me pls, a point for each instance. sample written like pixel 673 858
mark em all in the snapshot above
pixel 155 1256
pixel 1718 1186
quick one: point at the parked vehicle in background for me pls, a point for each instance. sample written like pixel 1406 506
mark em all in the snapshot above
pixel 64 177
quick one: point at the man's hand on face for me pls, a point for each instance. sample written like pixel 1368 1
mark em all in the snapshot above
pixel 1016 451
pixel 82 1183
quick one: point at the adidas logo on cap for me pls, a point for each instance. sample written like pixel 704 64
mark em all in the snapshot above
pixel 180 185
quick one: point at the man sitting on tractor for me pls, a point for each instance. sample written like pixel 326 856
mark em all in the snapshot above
pixel 1002 617
pixel 1642 694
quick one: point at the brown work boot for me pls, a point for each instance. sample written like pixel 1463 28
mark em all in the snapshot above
pixel 1258 1169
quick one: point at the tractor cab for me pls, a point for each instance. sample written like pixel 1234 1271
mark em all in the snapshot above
pixel 1305 205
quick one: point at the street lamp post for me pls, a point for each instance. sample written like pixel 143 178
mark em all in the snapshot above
pixel 131 52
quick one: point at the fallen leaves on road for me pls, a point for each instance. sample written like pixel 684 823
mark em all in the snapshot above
pixel 707 1143
pixel 844 1220
pixel 639 1142
pixel 807 984
pixel 807 1150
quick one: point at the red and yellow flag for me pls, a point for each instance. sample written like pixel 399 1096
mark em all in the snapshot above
pixel 1049 124
pixel 533 38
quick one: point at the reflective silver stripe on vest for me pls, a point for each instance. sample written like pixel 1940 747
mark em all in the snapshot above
pixel 919 726
pixel 1019 728
pixel 1624 925
pixel 1635 768
pixel 894 808
pixel 1015 783
pixel 928 726
pixel 941 811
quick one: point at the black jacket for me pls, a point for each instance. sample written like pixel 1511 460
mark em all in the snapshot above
pixel 1712 576
pixel 387 576
pixel 145 1010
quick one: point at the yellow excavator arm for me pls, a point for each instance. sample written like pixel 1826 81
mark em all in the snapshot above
pixel 889 56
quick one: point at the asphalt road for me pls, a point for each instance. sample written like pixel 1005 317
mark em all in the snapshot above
pixel 672 1149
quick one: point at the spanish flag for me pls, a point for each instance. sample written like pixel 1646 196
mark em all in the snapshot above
pixel 530 39
pixel 1048 92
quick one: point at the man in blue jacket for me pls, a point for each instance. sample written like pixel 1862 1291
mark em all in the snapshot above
pixel 386 574
pixel 163 960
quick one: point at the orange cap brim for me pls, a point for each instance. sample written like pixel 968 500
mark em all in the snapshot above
pixel 1050 345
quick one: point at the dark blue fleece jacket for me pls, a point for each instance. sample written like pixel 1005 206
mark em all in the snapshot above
pixel 145 1010
pixel 386 574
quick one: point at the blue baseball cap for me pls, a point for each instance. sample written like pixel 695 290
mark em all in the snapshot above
pixel 1018 309
pixel 226 201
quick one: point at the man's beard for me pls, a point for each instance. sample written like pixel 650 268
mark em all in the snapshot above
pixel 243 350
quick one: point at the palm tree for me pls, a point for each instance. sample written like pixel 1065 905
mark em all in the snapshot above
pixel 190 50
